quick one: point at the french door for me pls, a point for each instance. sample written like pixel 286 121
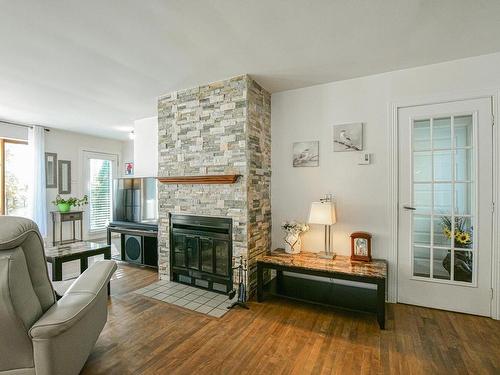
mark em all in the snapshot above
pixel 445 206
pixel 100 170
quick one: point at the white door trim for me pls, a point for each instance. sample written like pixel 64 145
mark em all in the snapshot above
pixel 393 190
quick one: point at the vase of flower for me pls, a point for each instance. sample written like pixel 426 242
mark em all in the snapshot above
pixel 293 230
pixel 459 232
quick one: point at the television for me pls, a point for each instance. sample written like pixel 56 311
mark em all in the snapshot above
pixel 135 201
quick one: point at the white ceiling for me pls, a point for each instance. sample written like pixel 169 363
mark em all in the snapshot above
pixel 95 66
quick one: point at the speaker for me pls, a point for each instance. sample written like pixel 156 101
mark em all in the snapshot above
pixel 133 249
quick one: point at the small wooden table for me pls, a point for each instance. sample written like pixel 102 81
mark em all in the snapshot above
pixel 341 267
pixel 71 216
pixel 58 255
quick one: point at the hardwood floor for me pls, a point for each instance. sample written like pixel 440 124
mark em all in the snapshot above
pixel 146 336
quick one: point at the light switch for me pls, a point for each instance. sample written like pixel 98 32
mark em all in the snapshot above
pixel 364 159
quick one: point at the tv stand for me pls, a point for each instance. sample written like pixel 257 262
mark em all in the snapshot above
pixel 148 235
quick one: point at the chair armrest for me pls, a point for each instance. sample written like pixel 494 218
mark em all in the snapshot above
pixel 94 278
pixel 62 315
pixel 61 287
pixel 80 297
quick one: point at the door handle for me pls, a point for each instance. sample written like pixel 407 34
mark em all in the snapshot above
pixel 409 208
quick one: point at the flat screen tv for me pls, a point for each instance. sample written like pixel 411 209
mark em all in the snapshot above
pixel 135 200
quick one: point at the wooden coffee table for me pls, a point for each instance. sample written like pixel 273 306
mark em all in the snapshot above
pixel 58 255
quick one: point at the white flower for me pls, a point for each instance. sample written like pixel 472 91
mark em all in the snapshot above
pixel 295 228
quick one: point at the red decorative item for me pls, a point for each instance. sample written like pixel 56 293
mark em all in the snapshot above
pixel 361 246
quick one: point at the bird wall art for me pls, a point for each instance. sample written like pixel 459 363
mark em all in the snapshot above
pixel 306 154
pixel 348 137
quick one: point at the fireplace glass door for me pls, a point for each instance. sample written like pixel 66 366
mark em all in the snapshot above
pixel 193 252
pixel 222 256
pixel 207 254
pixel 201 251
pixel 179 258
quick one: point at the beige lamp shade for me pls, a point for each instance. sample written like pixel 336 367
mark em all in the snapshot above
pixel 322 213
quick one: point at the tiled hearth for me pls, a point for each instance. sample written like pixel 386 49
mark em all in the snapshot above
pixel 199 300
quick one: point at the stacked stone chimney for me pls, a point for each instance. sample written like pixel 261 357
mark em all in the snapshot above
pixel 220 128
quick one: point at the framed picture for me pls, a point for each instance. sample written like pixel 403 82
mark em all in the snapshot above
pixel 348 137
pixel 361 246
pixel 129 169
pixel 50 170
pixel 64 169
pixel 306 154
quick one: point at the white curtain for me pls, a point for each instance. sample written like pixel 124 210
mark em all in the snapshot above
pixel 38 200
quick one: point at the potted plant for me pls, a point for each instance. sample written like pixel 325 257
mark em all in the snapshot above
pixel 64 205
pixel 293 230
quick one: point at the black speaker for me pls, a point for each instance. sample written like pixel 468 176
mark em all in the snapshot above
pixel 133 249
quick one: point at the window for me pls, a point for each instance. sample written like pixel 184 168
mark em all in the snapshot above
pixel 100 172
pixel 15 174
pixel 444 198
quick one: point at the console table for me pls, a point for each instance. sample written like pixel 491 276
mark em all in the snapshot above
pixel 147 233
pixel 71 216
pixel 346 295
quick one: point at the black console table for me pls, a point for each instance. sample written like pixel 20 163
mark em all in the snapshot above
pixel 343 295
pixel 148 234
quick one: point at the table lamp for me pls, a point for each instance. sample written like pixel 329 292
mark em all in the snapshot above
pixel 323 212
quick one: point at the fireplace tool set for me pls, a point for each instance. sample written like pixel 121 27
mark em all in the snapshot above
pixel 241 269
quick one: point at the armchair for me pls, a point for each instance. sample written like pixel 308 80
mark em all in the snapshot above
pixel 39 334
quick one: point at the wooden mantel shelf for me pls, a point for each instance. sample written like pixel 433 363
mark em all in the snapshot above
pixel 207 179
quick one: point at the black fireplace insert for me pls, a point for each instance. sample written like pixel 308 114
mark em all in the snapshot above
pixel 201 251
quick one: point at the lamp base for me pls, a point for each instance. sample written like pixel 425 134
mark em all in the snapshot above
pixel 325 255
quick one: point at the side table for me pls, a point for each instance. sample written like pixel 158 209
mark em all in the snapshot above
pixel 60 218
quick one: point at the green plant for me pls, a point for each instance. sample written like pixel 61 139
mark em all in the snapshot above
pixel 72 201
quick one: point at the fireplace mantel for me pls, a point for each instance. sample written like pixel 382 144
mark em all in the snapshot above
pixel 197 180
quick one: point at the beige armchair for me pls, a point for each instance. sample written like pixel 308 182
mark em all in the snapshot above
pixel 39 334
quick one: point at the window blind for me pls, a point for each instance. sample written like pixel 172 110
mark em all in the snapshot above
pixel 100 193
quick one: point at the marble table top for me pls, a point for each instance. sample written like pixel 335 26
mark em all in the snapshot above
pixel 341 264
pixel 73 248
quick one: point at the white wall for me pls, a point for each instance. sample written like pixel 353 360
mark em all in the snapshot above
pixel 70 146
pixel 361 192
pixel 127 154
pixel 146 147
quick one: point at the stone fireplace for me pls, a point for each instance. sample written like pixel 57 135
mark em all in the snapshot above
pixel 223 128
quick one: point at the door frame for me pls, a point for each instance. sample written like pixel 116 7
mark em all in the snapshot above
pixel 393 189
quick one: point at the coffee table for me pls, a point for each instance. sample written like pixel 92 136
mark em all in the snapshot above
pixel 57 255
